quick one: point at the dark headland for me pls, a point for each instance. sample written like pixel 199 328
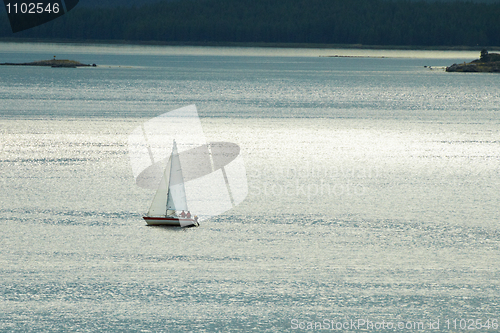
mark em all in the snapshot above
pixel 51 63
pixel 487 63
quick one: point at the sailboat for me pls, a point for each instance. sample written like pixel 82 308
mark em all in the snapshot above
pixel 170 198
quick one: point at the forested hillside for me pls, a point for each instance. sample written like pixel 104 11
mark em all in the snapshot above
pixel 368 22
pixel 139 3
pixel 132 3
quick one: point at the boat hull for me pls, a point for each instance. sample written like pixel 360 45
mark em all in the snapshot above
pixel 170 221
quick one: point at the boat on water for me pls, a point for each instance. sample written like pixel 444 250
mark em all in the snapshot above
pixel 170 198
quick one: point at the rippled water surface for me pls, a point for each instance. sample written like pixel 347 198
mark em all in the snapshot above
pixel 373 192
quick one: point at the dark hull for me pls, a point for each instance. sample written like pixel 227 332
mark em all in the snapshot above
pixel 170 221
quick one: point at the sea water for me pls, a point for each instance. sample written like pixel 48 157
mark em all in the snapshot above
pixel 373 192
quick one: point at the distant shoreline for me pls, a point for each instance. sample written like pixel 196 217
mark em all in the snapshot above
pixel 253 44
pixel 50 63
pixel 488 63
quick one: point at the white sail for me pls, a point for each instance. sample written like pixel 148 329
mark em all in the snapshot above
pixel 176 198
pixel 158 206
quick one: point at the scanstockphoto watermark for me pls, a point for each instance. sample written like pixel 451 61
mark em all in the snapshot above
pixel 309 190
pixel 313 181
pixel 213 173
pixel 311 171
pixel 364 324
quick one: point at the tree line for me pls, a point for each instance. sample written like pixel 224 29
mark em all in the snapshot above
pixel 367 22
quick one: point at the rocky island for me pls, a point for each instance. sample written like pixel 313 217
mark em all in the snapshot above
pixel 488 62
pixel 51 63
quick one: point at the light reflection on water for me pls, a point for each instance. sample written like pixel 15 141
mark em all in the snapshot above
pixel 53 48
pixel 374 196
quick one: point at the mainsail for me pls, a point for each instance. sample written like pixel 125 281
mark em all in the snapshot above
pixel 171 194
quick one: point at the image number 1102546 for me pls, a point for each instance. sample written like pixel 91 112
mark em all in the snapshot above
pixel 26 14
